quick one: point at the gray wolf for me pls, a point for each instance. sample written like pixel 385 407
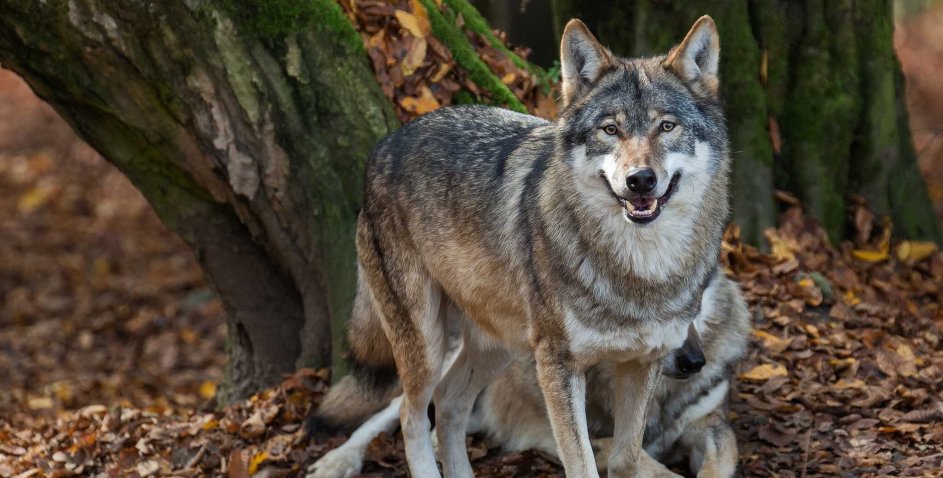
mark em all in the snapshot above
pixel 581 241
pixel 686 419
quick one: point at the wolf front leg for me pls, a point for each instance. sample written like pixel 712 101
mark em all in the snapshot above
pixel 634 386
pixel 564 387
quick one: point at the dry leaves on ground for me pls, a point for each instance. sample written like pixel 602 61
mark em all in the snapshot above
pixel 419 73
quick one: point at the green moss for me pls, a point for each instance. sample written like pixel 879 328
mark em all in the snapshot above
pixel 476 23
pixel 443 26
pixel 883 161
pixel 819 121
pixel 274 18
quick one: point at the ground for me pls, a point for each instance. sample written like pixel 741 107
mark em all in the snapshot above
pixel 111 342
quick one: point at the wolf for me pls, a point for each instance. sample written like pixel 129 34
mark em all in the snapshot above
pixel 585 240
pixel 686 419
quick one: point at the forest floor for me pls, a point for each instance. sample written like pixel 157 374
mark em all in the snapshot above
pixel 111 342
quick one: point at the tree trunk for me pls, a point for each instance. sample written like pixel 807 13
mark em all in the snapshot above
pixel 813 96
pixel 245 125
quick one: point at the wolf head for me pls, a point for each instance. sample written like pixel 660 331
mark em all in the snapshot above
pixel 645 137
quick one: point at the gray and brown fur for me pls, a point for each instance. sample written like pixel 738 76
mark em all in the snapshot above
pixel 686 420
pixel 525 226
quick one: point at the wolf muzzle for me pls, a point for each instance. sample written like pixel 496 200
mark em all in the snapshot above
pixel 687 360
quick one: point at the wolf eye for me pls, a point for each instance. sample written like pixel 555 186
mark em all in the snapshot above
pixel 667 126
pixel 610 129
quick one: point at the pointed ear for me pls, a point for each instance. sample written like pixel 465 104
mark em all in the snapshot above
pixel 582 60
pixel 697 59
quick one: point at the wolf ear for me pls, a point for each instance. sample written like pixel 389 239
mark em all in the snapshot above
pixel 582 60
pixel 696 60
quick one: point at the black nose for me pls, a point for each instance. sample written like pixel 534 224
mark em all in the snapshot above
pixel 691 362
pixel 642 181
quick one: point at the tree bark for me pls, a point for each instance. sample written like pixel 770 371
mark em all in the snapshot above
pixel 813 97
pixel 245 125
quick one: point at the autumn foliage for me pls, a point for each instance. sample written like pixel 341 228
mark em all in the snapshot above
pixel 111 344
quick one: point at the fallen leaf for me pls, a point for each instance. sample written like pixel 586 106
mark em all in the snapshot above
pixel 415 57
pixel 849 383
pixel 422 17
pixel 765 372
pixel 907 361
pixel 257 460
pixel 238 464
pixel 775 137
pixel 443 70
pixel 770 341
pixel 764 66
pixel 207 389
pixel 423 104
pixel 35 198
pixel 147 468
pixel 775 437
pixel 870 256
pixel 40 403
pixel 410 23
pixel 915 251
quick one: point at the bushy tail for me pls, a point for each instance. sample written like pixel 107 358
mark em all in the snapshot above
pixel 372 381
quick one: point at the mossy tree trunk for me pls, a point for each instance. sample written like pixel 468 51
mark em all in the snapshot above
pixel 245 125
pixel 813 95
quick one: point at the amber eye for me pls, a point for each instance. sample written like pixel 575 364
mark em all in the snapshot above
pixel 610 129
pixel 667 126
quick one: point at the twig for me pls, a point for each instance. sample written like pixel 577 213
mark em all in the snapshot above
pixel 192 462
pixel 805 453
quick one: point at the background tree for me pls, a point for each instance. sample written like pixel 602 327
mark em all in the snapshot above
pixel 814 98
pixel 245 123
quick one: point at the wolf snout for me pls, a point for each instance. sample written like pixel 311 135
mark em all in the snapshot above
pixel 642 181
pixel 684 363
pixel 691 362
pixel 687 360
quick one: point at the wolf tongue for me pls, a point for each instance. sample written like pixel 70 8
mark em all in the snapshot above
pixel 642 203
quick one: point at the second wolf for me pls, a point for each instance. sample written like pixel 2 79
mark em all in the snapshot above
pixel 582 241
pixel 686 420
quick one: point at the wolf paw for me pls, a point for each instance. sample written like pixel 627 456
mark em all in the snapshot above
pixel 337 463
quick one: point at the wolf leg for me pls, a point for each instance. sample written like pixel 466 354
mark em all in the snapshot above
pixel 414 320
pixel 563 385
pixel 479 361
pixel 711 446
pixel 346 460
pixel 634 386
pixel 419 354
pixel 602 447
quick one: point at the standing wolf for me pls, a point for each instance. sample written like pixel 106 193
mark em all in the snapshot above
pixel 590 239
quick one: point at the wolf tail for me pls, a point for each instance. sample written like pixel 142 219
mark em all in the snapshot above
pixel 372 381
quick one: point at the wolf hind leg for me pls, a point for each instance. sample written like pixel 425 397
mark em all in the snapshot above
pixel 419 362
pixel 346 460
pixel 413 316
pixel 478 363
pixel 711 446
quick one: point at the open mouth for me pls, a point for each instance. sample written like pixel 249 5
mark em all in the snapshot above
pixel 641 209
